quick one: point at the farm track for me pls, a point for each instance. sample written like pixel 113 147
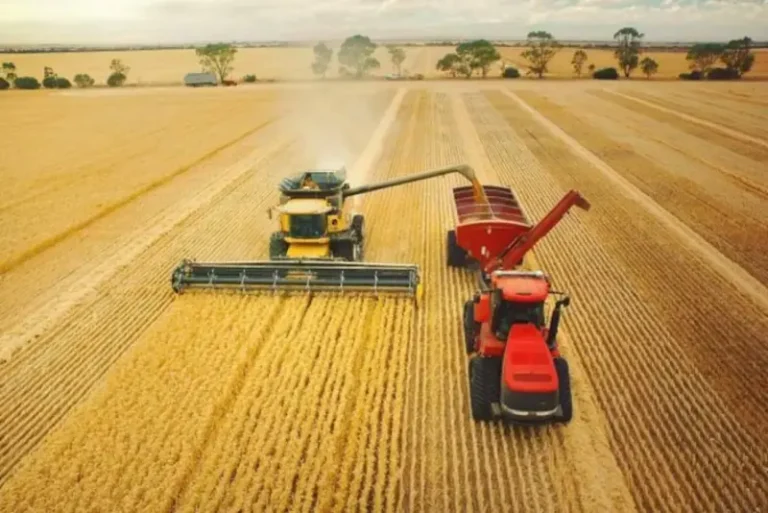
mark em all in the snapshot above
pixel 218 402
pixel 654 368
pixel 735 236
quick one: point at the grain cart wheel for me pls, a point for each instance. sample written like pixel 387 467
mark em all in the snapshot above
pixel 278 248
pixel 566 400
pixel 484 386
pixel 469 326
pixel 457 257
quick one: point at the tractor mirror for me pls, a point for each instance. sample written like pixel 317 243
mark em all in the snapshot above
pixel 566 301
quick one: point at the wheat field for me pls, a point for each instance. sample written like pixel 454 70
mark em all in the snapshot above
pixel 118 395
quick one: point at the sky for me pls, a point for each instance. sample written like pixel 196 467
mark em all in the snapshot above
pixel 192 21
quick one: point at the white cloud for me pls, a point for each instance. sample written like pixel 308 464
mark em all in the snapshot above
pixel 148 21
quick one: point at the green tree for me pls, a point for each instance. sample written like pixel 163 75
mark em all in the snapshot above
pixel 26 83
pixel 323 56
pixel 217 58
pixel 703 56
pixel 502 66
pixel 9 71
pixel 117 66
pixel 397 55
pixel 738 56
pixel 628 50
pixel 84 80
pixel 49 78
pixel 450 63
pixel 479 54
pixel 116 79
pixel 541 48
pixel 119 73
pixel 356 56
pixel 578 60
pixel 649 67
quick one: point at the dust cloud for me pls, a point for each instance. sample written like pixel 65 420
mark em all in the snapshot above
pixel 337 124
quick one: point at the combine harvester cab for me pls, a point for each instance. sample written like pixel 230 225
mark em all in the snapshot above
pixel 318 246
pixel 516 371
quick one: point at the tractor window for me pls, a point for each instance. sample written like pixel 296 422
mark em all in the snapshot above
pixel 508 313
pixel 307 226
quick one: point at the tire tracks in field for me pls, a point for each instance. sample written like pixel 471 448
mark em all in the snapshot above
pixel 668 426
pixel 267 476
pixel 635 145
pixel 36 323
pixel 730 132
pixel 105 323
pixel 741 279
pixel 586 463
pixel 223 236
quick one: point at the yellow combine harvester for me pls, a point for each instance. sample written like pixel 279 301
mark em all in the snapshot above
pixel 319 244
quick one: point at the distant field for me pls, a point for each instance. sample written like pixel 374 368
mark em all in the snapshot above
pixel 170 66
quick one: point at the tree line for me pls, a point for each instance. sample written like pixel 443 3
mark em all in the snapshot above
pixel 52 80
pixel 355 57
pixel 540 48
pixel 213 58
pixel 356 60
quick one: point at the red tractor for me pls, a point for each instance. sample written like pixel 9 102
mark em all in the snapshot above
pixel 515 370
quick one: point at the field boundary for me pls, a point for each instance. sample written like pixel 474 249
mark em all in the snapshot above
pixel 693 119
pixel 744 282
pixel 43 318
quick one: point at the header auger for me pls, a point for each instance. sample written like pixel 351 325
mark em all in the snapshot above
pixel 319 245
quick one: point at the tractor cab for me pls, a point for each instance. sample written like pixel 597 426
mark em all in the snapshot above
pixel 517 298
pixel 515 360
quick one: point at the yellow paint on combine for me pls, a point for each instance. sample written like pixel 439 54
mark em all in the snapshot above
pixel 318 248
pixel 305 206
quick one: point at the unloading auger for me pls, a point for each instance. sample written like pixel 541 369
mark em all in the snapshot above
pixel 319 244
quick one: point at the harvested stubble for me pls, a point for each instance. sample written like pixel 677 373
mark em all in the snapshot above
pixel 328 403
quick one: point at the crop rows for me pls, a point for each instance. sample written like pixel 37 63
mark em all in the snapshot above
pixel 43 380
pixel 726 214
pixel 664 380
pixel 329 402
